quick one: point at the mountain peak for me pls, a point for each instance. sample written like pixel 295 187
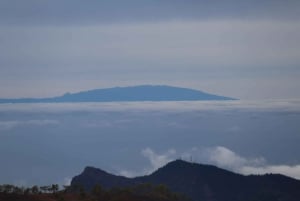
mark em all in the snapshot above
pixel 201 182
pixel 148 93
pixel 89 170
pixel 130 93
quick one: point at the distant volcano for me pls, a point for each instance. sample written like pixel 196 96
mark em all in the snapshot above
pixel 121 94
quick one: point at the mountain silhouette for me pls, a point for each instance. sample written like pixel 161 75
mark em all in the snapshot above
pixel 201 183
pixel 133 93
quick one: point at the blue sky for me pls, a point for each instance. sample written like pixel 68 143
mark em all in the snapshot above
pixel 242 49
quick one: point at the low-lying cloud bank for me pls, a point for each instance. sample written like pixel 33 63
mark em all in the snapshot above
pixel 219 156
pixel 284 105
pixel 7 125
pixel 226 158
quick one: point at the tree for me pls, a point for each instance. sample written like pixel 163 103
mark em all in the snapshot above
pixel 97 190
pixel 162 189
pixel 17 190
pixel 27 191
pixel 45 189
pixel 54 188
pixel 35 189
pixel 66 188
pixel 7 188
pixel 82 192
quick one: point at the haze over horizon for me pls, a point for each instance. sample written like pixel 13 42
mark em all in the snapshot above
pixel 136 138
pixel 128 93
pixel 242 49
pixel 249 50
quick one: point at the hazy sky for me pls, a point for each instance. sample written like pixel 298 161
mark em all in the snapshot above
pixel 236 48
pixel 243 49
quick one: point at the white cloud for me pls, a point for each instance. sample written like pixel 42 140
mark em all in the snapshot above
pixel 67 181
pixel 158 160
pixel 226 158
pixel 287 105
pixel 219 156
pixel 234 129
pixel 98 124
pixel 40 122
pixel 7 125
pixel 292 171
pixel 127 173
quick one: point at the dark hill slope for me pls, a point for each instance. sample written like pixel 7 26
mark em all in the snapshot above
pixel 203 183
pixel 92 176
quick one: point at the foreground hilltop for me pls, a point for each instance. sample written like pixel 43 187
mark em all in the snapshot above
pixel 201 183
pixel 133 93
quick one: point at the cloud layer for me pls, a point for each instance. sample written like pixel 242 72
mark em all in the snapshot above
pixel 61 139
pixel 108 11
pixel 7 125
pixel 219 156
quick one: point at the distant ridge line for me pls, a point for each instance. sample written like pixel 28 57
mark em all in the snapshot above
pixel 128 94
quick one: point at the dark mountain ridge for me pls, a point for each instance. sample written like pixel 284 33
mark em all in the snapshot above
pixel 133 93
pixel 202 182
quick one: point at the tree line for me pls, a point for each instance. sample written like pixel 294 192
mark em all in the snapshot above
pixel 12 189
pixel 145 191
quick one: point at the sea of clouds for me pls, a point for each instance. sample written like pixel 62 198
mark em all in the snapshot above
pixel 51 143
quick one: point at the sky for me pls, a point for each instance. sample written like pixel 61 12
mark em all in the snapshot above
pixel 236 48
pixel 243 49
